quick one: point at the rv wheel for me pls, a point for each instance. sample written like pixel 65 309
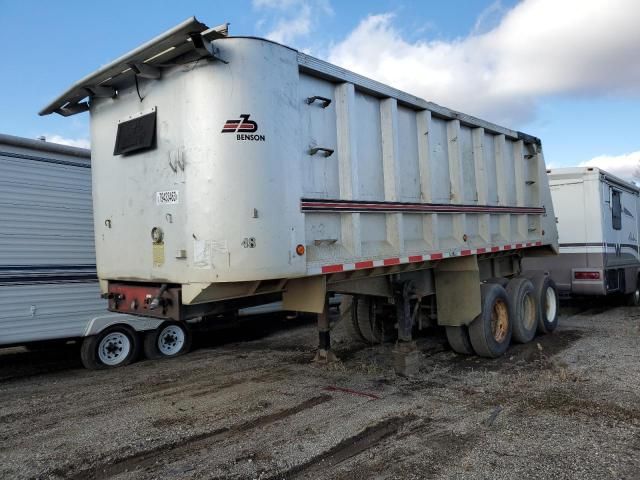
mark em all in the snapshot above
pixel 459 341
pixel 490 332
pixel 171 339
pixel 115 346
pixel 546 294
pixel 633 299
pixel 523 308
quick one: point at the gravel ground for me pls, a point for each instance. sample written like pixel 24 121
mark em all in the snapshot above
pixel 566 405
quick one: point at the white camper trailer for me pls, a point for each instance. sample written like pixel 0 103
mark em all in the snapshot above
pixel 598 233
pixel 49 290
pixel 230 171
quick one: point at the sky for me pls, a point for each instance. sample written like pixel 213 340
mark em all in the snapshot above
pixel 567 71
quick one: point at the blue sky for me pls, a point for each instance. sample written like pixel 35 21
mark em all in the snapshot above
pixel 567 71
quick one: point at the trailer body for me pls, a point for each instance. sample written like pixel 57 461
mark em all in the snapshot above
pixel 231 171
pixel 598 226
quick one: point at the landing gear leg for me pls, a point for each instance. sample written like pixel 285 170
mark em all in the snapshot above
pixel 405 354
pixel 324 353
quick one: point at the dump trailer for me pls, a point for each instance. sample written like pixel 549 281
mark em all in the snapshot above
pixel 234 171
pixel 598 225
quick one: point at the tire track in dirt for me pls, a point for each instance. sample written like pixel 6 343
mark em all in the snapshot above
pixel 317 466
pixel 144 459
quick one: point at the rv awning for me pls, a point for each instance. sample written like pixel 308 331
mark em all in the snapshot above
pixel 144 61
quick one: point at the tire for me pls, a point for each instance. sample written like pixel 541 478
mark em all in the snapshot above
pixel 546 294
pixel 114 347
pixel 349 319
pixel 459 341
pixel 633 298
pixel 373 326
pixel 169 340
pixel 524 309
pixel 490 332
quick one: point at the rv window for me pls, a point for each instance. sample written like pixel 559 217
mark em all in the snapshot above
pixel 616 210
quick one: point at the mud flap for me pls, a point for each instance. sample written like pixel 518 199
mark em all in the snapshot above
pixel 306 294
pixel 458 291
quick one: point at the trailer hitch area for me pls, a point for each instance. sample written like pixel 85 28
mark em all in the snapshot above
pixel 158 300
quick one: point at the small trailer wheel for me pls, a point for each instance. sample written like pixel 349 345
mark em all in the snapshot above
pixel 459 341
pixel 490 332
pixel 170 339
pixel 523 308
pixel 546 295
pixel 115 346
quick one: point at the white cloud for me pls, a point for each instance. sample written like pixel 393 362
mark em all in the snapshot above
pixel 626 166
pixel 293 19
pixel 73 142
pixel 538 48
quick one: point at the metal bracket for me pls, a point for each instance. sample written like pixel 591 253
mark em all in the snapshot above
pixel 72 109
pixel 103 92
pixel 204 48
pixel 144 70
pixel 327 151
pixel 325 101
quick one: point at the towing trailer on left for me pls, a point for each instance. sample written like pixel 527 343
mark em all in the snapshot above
pixel 49 291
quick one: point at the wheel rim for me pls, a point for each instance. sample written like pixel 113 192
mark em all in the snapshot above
pixel 551 306
pixel 500 321
pixel 171 340
pixel 114 348
pixel 528 312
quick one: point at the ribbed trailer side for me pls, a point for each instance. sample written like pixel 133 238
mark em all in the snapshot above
pixel 48 283
pixel 405 184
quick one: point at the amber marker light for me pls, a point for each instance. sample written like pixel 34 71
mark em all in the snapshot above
pixel 300 249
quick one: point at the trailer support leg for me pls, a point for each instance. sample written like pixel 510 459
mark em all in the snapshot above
pixel 405 354
pixel 324 353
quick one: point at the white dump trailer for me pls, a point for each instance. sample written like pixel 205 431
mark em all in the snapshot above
pixel 230 171
pixel 598 227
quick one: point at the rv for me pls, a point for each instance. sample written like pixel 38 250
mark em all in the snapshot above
pixel 598 222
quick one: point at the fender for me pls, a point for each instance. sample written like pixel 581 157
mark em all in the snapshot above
pixel 139 324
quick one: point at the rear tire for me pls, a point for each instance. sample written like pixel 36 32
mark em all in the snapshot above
pixel 459 341
pixel 546 294
pixel 374 327
pixel 490 332
pixel 349 319
pixel 633 298
pixel 114 347
pixel 169 340
pixel 524 312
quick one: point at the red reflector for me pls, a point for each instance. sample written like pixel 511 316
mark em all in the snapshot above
pixel 586 275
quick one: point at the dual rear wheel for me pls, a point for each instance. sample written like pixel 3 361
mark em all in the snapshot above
pixel 511 310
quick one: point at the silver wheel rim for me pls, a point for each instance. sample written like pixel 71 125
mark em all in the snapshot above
pixel 114 348
pixel 171 340
pixel 551 306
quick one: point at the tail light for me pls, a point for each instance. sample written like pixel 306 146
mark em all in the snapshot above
pixel 586 275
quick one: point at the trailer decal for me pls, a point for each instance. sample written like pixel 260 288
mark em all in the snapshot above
pixel 313 205
pixel 364 264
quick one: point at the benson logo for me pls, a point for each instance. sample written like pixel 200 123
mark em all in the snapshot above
pixel 239 127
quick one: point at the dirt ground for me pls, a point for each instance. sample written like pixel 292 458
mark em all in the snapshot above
pixel 566 405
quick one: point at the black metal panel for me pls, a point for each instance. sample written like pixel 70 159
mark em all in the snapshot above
pixel 136 134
